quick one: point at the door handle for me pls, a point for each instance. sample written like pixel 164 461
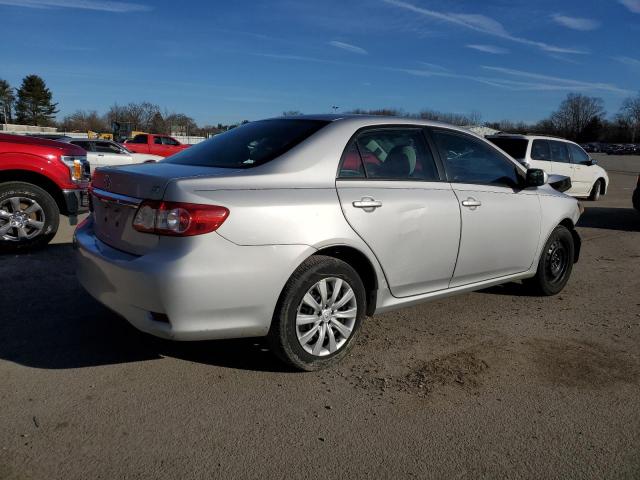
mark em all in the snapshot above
pixel 367 203
pixel 471 203
pixel 101 154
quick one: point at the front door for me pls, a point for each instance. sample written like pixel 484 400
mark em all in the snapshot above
pixel 500 220
pixel 392 195
pixel 583 171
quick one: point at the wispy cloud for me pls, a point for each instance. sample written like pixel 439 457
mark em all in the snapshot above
pixel 480 23
pixel 628 61
pixel 558 81
pixel 489 49
pixel 576 23
pixel 633 5
pixel 348 47
pixel 99 5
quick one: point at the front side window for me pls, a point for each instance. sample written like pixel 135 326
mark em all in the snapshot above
pixel 578 155
pixel 540 150
pixel 396 154
pixel 249 145
pixel 470 160
pixel 157 140
pixel 559 152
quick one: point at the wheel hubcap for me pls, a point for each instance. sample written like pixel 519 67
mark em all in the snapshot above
pixel 326 316
pixel 21 219
pixel 556 261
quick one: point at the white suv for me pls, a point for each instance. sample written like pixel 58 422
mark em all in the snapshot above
pixel 557 156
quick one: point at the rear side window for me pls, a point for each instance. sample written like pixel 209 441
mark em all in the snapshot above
pixel 394 154
pixel 250 145
pixel 540 151
pixel 139 139
pixel 82 144
pixel 516 147
pixel 559 152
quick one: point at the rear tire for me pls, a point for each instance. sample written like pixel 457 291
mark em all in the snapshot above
pixel 29 217
pixel 555 264
pixel 594 196
pixel 318 315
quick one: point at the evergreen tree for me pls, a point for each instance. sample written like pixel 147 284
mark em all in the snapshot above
pixel 34 105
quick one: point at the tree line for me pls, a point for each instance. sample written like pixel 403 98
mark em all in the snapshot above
pixel 579 117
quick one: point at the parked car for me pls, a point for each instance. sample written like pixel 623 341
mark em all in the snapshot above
pixel 636 195
pixel 296 228
pixel 39 180
pixel 103 153
pixel 557 156
pixel 162 145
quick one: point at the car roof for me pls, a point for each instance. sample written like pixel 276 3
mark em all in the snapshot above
pixel 522 136
pixel 360 121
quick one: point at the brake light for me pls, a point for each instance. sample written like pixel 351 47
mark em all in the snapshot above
pixel 178 219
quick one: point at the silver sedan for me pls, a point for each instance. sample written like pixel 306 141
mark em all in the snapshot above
pixel 297 228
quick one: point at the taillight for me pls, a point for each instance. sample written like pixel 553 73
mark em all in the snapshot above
pixel 178 219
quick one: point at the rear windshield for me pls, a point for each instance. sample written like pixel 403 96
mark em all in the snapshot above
pixel 516 147
pixel 249 145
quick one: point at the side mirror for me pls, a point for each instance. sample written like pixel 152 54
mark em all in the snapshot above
pixel 536 177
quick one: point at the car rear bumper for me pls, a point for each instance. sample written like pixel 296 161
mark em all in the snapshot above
pixel 196 288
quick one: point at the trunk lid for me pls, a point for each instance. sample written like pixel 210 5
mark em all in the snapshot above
pixel 118 191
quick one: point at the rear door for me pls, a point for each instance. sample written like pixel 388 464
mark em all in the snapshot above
pixel 393 195
pixel 540 155
pixel 500 220
pixel 561 160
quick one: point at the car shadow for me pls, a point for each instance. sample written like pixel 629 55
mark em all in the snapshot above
pixel 621 219
pixel 48 321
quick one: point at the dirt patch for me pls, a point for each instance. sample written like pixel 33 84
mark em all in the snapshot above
pixel 459 368
pixel 581 364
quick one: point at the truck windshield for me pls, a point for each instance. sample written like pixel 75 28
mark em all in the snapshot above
pixel 516 147
pixel 249 145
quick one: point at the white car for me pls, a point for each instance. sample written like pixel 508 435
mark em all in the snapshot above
pixel 295 228
pixel 559 157
pixel 107 153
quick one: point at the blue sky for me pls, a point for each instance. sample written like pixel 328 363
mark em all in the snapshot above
pixel 228 61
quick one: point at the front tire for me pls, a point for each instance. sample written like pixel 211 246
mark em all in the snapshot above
pixel 29 217
pixel 555 264
pixel 594 196
pixel 318 315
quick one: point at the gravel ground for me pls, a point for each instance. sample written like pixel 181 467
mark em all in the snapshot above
pixel 489 384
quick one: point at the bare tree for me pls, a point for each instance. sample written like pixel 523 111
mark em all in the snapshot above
pixel 576 112
pixel 7 99
pixel 629 115
pixel 83 121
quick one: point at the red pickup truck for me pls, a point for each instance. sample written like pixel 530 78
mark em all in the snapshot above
pixel 162 145
pixel 39 180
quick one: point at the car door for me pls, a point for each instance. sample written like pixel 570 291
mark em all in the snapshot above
pixel 540 155
pixel 500 220
pixel 561 160
pixel 111 154
pixel 583 172
pixel 394 197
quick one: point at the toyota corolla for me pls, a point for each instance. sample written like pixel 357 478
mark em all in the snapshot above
pixel 297 228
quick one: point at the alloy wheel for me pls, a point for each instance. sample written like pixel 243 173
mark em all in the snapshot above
pixel 21 219
pixel 326 316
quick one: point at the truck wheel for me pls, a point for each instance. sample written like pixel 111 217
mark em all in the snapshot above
pixel 29 217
